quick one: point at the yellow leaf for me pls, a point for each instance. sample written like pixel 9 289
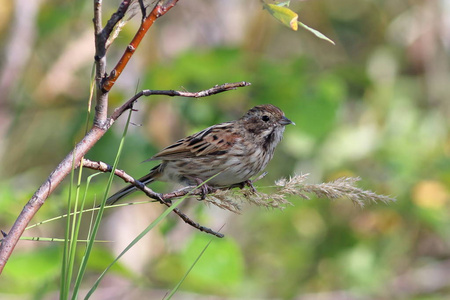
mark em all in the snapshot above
pixel 283 14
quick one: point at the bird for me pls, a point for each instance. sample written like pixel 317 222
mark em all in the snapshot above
pixel 225 155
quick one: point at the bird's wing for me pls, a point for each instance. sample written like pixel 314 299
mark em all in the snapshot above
pixel 217 139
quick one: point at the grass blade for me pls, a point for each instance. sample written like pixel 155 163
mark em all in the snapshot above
pixel 137 239
pixel 96 226
pixel 140 236
pixel 65 284
pixel 175 289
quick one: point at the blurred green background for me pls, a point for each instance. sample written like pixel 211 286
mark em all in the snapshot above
pixel 376 105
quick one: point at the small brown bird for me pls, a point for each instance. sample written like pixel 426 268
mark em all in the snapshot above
pixel 233 151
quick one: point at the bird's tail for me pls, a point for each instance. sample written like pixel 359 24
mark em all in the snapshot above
pixel 130 189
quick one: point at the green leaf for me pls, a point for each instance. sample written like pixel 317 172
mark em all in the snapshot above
pixel 283 14
pixel 286 16
pixel 285 3
pixel 316 33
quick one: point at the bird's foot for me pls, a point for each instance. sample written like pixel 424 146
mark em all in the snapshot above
pixel 204 188
pixel 243 184
pixel 249 183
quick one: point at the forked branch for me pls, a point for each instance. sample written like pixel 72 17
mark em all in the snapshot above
pixel 160 9
pixel 74 157
pixel 101 122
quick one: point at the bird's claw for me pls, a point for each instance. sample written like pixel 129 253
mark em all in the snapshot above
pixel 249 183
pixel 243 184
pixel 204 188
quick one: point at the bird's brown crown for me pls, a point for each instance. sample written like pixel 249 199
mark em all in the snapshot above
pixel 265 108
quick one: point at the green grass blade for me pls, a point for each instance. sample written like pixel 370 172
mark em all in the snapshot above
pixel 175 289
pixel 137 239
pixel 47 239
pixel 140 236
pixel 87 210
pixel 78 224
pixel 64 284
pixel 70 243
pixel 96 226
pixel 74 231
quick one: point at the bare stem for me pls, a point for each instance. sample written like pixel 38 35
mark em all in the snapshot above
pixel 162 198
pixel 159 10
pixel 116 17
pixel 172 93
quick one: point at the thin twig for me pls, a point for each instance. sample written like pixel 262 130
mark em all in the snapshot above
pixel 159 10
pixel 116 17
pixel 143 10
pixel 162 198
pixel 172 93
pixel 101 38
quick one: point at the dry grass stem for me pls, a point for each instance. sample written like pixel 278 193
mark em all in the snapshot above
pixel 116 32
pixel 344 187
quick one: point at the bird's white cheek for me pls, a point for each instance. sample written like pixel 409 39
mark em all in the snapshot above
pixel 267 132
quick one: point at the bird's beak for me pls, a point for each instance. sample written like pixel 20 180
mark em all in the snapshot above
pixel 285 121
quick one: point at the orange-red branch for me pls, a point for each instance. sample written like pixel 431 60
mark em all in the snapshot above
pixel 157 12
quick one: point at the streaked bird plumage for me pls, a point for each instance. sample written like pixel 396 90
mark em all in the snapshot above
pixel 233 151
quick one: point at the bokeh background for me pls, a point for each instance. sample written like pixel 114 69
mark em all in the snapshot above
pixel 375 105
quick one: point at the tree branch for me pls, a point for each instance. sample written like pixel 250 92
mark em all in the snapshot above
pixel 172 93
pixel 101 107
pixel 162 198
pixel 97 16
pixel 116 17
pixel 101 121
pixel 65 166
pixel 39 197
pixel 159 10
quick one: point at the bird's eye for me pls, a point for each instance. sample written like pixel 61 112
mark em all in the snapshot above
pixel 265 118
